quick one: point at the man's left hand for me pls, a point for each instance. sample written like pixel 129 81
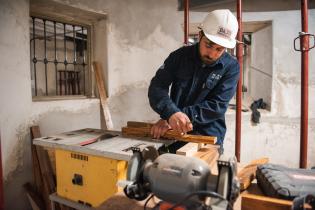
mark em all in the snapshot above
pixel 180 122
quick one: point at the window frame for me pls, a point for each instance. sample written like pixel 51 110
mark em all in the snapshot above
pixel 89 56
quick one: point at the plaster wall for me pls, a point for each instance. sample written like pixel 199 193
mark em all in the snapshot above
pixel 18 112
pixel 287 62
pixel 275 137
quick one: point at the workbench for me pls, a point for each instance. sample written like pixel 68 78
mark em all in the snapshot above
pixel 91 152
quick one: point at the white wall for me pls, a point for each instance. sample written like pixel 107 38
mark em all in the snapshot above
pixel 287 62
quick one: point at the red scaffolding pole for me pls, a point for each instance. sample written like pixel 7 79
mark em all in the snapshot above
pixel 239 55
pixel 304 43
pixel 1 181
pixel 186 22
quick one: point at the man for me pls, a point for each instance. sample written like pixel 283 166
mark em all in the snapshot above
pixel 203 78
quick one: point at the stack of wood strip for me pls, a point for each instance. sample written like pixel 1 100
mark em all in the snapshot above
pixel 43 175
pixel 142 129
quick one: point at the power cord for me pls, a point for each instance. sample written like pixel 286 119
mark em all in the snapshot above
pixel 204 193
pixel 147 201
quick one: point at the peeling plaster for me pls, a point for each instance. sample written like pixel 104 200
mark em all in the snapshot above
pixel 270 138
pixel 40 110
pixel 124 88
pixel 16 158
pixel 137 19
pixel 293 79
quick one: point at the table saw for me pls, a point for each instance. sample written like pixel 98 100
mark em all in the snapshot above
pixel 89 162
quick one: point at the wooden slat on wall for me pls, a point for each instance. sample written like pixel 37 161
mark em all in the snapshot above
pixel 103 96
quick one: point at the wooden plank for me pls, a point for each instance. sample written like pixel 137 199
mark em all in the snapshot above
pixel 188 149
pixel 38 179
pixel 33 197
pixel 36 168
pixel 103 96
pixel 258 202
pixel 172 135
pixel 136 124
pixel 52 159
pixel 248 173
pixel 47 177
pixel 210 155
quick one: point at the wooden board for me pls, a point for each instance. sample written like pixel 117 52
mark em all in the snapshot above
pixel 248 173
pixel 136 124
pixel 103 96
pixel 188 149
pixel 43 165
pixel 172 135
pixel 258 202
pixel 34 199
pixel 210 155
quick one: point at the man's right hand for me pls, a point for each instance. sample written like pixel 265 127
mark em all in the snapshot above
pixel 180 122
pixel 159 128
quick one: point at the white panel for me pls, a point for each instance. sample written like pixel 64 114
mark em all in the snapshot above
pixel 261 65
pixel 262 50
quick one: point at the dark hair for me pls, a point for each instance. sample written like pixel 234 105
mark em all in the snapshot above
pixel 202 34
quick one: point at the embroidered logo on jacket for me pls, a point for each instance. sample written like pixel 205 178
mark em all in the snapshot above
pixel 216 76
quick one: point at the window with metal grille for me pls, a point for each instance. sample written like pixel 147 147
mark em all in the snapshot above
pixel 59 58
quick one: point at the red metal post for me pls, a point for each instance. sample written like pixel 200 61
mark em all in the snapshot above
pixel 186 22
pixel 304 39
pixel 1 181
pixel 239 55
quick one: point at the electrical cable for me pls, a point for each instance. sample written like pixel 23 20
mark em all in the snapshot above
pixel 205 193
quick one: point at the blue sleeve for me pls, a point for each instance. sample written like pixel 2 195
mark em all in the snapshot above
pixel 158 93
pixel 217 101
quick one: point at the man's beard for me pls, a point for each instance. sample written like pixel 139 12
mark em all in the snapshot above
pixel 207 60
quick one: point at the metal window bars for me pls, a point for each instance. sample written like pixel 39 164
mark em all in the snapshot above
pixel 58 58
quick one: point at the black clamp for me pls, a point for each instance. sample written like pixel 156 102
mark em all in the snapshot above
pixel 301 34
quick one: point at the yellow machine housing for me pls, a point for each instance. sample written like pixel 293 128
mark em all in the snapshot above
pixel 99 176
pixel 89 162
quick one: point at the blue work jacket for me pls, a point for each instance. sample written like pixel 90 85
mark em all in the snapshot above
pixel 200 91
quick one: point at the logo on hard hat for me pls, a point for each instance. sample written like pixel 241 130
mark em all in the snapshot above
pixel 224 32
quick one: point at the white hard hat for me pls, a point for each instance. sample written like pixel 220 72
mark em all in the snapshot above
pixel 220 27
